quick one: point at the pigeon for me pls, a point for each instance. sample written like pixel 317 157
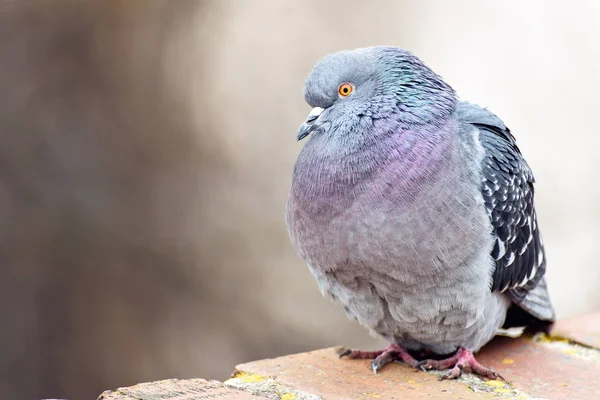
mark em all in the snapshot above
pixel 414 211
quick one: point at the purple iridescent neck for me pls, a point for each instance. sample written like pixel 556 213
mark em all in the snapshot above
pixel 332 171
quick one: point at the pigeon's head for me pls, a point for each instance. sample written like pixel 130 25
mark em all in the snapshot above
pixel 376 83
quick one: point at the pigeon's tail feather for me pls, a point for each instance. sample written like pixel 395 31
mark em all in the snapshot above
pixel 537 302
pixel 535 311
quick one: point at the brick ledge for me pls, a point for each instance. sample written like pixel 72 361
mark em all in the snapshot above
pixel 565 365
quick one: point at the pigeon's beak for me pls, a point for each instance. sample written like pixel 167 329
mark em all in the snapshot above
pixel 307 127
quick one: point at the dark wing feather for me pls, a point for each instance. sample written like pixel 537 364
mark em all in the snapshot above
pixel 508 193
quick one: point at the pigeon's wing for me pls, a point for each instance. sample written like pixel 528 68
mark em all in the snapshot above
pixel 507 188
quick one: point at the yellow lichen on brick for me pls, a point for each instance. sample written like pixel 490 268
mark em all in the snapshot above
pixel 248 378
pixel 373 395
pixel 502 390
pixel 253 378
pixel 508 361
pixel 542 338
pixel 495 383
pixel 288 396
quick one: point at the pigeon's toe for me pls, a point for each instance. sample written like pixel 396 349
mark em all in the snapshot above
pixel 380 358
pixel 462 360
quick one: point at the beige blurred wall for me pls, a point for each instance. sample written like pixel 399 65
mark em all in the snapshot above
pixel 146 152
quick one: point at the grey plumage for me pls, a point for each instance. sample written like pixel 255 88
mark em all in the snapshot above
pixel 414 210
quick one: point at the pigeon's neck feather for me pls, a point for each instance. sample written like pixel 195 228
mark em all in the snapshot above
pixel 392 164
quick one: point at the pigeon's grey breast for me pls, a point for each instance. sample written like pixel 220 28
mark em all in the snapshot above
pixel 398 233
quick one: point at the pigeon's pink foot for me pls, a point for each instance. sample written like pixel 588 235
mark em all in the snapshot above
pixel 380 358
pixel 462 360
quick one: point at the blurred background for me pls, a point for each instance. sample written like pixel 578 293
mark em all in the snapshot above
pixel 146 150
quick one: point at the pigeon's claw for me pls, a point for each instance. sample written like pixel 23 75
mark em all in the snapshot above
pixel 426 365
pixel 380 358
pixel 453 373
pixel 462 360
pixel 342 352
pixel 384 358
pixel 358 354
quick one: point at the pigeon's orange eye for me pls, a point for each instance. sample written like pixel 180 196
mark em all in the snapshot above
pixel 345 89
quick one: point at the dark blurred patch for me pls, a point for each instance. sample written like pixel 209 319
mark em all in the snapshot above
pixel 98 166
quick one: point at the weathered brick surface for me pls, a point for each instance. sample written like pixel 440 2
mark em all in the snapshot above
pixel 178 389
pixel 322 372
pixel 584 329
pixel 547 367
pixel 551 369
